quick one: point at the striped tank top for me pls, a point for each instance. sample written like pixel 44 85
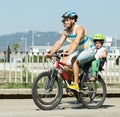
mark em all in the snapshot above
pixel 84 43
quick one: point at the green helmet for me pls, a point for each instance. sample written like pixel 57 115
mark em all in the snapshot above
pixel 98 37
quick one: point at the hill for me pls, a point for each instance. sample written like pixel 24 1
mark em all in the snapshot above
pixel 40 39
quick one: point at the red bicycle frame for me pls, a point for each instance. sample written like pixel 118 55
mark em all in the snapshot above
pixel 60 67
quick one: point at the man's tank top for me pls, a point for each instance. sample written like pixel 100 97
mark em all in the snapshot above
pixel 84 43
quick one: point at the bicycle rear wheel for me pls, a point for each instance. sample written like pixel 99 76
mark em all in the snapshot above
pixel 93 94
pixel 45 96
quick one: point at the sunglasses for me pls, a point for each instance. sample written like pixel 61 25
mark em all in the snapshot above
pixel 63 21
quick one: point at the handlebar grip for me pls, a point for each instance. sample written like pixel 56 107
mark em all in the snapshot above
pixel 64 55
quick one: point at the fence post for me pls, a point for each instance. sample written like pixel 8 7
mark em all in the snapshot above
pixel 10 61
pixel 32 63
pixel 26 61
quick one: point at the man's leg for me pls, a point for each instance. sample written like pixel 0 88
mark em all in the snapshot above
pixel 75 71
pixel 85 56
pixel 69 73
pixel 68 68
pixel 75 67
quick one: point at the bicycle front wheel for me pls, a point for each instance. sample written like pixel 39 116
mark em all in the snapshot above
pixel 93 93
pixel 45 96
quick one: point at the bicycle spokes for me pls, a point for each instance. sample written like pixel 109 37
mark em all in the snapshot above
pixel 93 94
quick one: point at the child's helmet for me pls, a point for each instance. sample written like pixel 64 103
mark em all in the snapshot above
pixel 98 37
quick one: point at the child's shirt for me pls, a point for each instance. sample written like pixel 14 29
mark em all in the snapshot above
pixel 99 52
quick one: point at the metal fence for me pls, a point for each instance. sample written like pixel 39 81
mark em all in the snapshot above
pixel 24 67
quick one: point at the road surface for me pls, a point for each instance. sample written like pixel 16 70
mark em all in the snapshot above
pixel 68 107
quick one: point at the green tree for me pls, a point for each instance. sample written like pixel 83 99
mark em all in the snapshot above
pixel 16 47
pixel 8 53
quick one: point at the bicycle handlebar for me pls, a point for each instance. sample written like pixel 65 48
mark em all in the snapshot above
pixel 58 54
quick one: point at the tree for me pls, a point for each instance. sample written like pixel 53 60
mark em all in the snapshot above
pixel 8 53
pixel 16 47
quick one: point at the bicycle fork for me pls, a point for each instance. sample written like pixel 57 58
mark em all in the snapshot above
pixel 52 79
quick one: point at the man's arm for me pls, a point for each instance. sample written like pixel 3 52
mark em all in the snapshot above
pixel 79 36
pixel 58 44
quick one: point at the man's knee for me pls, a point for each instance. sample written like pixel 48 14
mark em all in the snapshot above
pixel 75 61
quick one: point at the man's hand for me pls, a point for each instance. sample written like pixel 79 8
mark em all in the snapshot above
pixel 64 54
pixel 48 54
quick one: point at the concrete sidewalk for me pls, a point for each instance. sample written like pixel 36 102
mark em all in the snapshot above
pixel 26 93
pixel 15 93
pixel 110 90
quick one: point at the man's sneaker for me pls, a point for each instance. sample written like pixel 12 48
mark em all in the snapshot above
pixel 74 87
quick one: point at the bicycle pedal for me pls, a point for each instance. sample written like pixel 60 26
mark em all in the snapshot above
pixel 70 93
pixel 85 88
pixel 80 91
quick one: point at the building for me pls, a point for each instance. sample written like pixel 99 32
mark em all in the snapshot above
pixel 112 51
pixel 42 49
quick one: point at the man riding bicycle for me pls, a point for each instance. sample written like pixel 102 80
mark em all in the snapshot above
pixel 81 48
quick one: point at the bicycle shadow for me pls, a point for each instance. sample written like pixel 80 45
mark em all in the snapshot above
pixel 71 104
pixel 74 104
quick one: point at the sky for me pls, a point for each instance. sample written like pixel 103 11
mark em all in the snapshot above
pixel 97 16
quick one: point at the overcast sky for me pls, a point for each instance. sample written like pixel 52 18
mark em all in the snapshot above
pixel 97 16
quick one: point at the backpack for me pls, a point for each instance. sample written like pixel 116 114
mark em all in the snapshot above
pixel 101 64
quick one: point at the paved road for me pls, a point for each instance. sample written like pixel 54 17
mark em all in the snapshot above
pixel 68 108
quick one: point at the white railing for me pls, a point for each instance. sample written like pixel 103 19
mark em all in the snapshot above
pixel 24 67
pixel 111 73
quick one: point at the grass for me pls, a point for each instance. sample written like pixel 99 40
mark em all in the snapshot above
pixel 15 85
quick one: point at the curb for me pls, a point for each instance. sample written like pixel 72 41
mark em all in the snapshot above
pixel 27 93
pixel 15 94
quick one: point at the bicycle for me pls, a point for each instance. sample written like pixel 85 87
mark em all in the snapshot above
pixel 47 89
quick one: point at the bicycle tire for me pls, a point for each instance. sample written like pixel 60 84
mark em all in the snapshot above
pixel 93 97
pixel 43 98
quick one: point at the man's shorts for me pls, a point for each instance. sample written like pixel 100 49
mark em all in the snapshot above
pixel 82 56
pixel 86 56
